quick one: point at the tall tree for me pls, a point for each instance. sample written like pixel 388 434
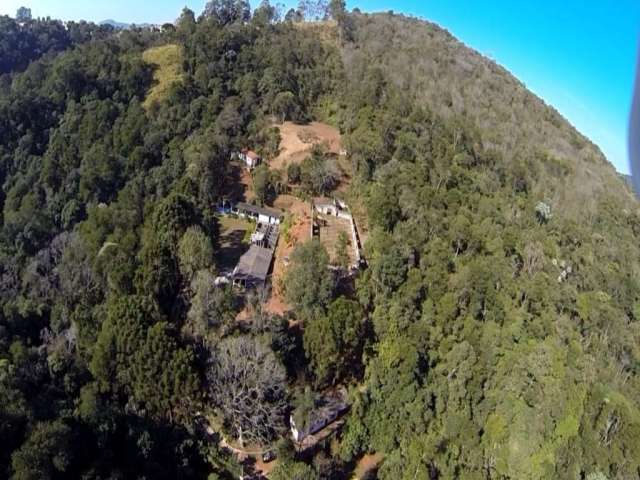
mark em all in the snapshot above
pixel 228 11
pixel 294 15
pixel 314 9
pixel 212 308
pixel 135 355
pixel 337 9
pixel 195 252
pixel 309 283
pixel 262 183
pixel 247 383
pixel 23 14
pixel 333 343
pixel 186 24
pixel 266 13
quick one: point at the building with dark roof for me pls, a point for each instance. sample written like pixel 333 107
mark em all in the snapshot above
pixel 253 267
pixel 327 410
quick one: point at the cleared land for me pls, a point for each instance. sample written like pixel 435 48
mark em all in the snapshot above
pixel 297 231
pixel 168 62
pixel 330 228
pixel 234 241
pixel 297 141
pixel 246 180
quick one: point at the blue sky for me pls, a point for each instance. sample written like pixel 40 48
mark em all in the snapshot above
pixel 578 55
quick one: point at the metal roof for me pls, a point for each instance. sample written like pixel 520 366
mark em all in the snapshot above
pixel 254 265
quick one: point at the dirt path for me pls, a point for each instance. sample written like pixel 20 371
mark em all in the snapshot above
pixel 242 454
pixel 367 463
pixel 247 182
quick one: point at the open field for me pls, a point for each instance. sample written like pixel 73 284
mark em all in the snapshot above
pixel 168 62
pixel 234 241
pixel 297 141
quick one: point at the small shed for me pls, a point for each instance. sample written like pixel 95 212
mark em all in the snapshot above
pixel 250 158
pixel 253 268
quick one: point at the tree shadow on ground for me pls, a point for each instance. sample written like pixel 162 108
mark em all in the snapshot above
pixel 232 248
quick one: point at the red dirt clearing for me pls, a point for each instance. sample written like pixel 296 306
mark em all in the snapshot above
pixel 298 140
pixel 299 232
pixel 247 181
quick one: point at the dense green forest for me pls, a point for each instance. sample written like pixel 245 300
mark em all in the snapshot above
pixel 494 333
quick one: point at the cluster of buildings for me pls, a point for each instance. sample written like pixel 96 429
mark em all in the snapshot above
pixel 253 267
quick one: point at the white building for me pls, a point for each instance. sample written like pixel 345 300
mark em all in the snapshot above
pixel 260 214
pixel 250 158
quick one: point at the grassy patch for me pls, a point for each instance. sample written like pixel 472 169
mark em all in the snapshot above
pixel 168 60
pixel 285 227
pixel 235 237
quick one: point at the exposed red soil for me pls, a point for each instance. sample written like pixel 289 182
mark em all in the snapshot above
pixel 298 140
pixel 299 232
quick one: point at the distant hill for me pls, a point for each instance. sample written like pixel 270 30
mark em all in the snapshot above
pixel 125 26
pixel 436 69
pixel 114 24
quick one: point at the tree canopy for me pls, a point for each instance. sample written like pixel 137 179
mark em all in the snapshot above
pixel 492 331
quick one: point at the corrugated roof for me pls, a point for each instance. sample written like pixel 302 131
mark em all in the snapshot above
pixel 254 265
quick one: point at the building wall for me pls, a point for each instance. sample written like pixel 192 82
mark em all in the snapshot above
pixel 327 210
pixel 268 219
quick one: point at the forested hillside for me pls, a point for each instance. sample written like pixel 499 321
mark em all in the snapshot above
pixel 493 332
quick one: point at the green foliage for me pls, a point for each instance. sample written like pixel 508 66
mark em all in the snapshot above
pixel 227 11
pixel 294 471
pixel 309 282
pixel 262 184
pixel 318 173
pixel 195 252
pixel 501 293
pixel 212 308
pixel 45 454
pixel 333 343
pixel 136 355
pixel 294 173
pixel 25 39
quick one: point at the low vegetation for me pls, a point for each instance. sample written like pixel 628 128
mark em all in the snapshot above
pixel 167 60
